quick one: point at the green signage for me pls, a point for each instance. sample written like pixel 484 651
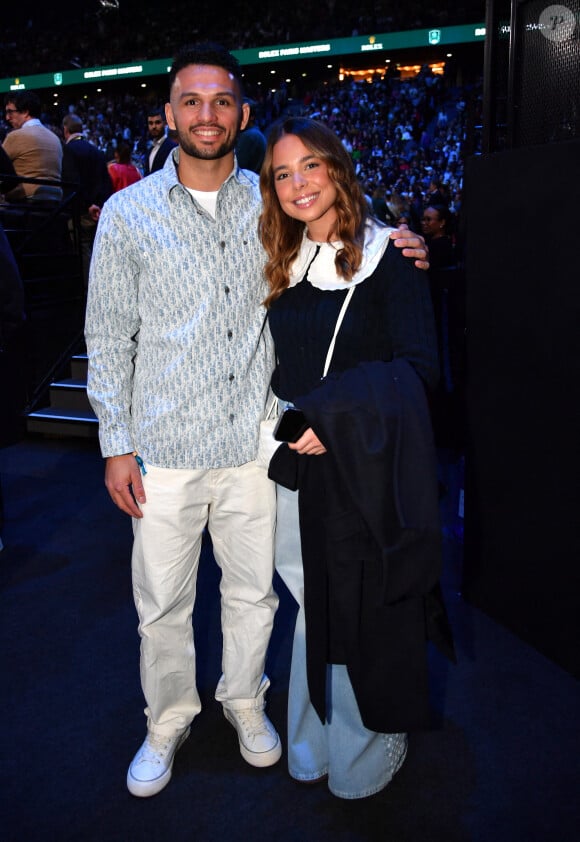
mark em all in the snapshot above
pixel 464 34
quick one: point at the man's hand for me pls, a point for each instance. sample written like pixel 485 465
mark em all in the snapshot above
pixel 413 245
pixel 124 483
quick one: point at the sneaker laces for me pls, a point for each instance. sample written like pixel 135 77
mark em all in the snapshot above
pixel 155 748
pixel 253 722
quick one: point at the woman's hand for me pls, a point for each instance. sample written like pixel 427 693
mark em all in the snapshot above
pixel 308 444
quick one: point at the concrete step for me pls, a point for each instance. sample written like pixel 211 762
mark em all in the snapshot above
pixel 69 394
pixel 78 367
pixel 50 420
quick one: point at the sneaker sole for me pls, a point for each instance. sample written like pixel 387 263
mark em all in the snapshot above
pixel 144 789
pixel 258 759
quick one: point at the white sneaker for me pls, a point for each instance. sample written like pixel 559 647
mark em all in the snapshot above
pixel 259 743
pixel 151 768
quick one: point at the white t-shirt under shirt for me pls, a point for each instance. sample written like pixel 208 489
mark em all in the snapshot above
pixel 207 200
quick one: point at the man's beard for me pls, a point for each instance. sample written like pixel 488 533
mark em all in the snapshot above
pixel 194 151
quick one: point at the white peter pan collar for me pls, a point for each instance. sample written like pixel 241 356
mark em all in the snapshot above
pixel 322 272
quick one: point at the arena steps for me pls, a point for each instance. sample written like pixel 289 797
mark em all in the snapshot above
pixel 68 412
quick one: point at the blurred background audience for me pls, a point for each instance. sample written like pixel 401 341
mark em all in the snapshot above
pixel 96 33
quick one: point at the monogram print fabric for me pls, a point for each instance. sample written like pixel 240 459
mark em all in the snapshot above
pixel 179 356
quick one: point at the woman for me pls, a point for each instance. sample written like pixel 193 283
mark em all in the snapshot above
pixel 122 171
pixel 447 296
pixel 436 225
pixel 352 694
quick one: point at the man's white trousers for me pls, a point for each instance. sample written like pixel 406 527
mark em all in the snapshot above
pixel 238 505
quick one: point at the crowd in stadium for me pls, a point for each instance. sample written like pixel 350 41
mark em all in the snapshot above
pixel 407 137
pixel 403 134
pixel 100 32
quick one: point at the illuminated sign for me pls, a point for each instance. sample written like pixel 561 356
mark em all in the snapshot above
pixel 290 52
pixel 113 71
pixel 287 52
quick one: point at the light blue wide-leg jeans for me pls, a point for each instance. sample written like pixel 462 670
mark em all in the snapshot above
pixel 358 762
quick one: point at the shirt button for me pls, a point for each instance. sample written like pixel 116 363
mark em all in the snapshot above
pixel 231 377
pixel 223 244
pixel 227 290
pixel 230 334
pixel 232 416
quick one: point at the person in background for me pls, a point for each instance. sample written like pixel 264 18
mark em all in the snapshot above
pixel 85 165
pixel 416 209
pixel 251 143
pixel 446 282
pixel 437 228
pixel 379 204
pixel 160 144
pixel 436 225
pixel 357 540
pixel 121 171
pixel 35 151
pixel 437 193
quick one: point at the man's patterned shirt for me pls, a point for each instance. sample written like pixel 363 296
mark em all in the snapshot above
pixel 180 354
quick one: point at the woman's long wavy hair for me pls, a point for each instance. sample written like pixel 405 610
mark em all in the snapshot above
pixel 281 235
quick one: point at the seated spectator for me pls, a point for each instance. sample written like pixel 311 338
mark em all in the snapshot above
pixel 121 170
pixel 35 151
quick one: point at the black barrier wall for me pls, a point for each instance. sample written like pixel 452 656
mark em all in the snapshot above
pixel 522 521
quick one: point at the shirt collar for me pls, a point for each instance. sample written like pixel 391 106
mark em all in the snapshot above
pixel 33 121
pixel 171 180
pixel 322 273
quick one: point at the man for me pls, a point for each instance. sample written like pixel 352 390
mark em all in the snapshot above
pixel 251 143
pixel 85 165
pixel 161 145
pixel 180 359
pixel 35 151
pixel 179 366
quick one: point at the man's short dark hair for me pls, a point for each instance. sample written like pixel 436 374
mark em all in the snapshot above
pixel 25 101
pixel 156 111
pixel 208 53
pixel 73 123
